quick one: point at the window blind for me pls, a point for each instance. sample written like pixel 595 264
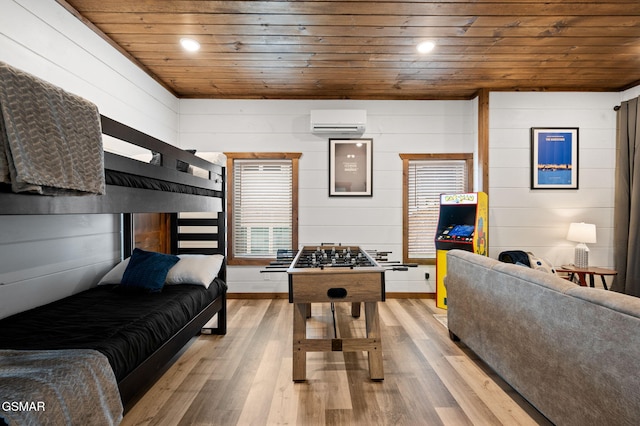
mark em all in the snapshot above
pixel 262 207
pixel 427 179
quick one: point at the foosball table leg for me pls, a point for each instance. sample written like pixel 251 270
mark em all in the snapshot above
pixel 355 309
pixel 376 369
pixel 300 312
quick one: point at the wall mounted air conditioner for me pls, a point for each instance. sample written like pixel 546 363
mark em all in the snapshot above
pixel 338 121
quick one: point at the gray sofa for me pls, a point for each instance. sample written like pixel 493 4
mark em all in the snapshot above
pixel 573 352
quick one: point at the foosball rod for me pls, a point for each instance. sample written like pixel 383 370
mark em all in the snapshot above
pixel 333 314
pixel 272 269
pixel 397 263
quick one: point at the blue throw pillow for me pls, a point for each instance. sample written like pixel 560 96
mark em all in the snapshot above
pixel 147 270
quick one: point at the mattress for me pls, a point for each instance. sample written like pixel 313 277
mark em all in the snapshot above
pixel 113 177
pixel 126 326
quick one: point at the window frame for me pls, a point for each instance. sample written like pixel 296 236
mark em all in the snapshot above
pixel 232 259
pixel 406 159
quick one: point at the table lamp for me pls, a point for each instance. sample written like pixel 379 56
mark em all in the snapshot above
pixel 582 233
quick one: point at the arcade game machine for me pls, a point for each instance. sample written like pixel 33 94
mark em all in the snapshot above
pixel 462 224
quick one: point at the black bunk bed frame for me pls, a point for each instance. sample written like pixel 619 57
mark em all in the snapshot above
pixel 126 201
pixel 119 199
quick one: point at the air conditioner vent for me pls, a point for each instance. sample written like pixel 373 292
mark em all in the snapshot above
pixel 334 121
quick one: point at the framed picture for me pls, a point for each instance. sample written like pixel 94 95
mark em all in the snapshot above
pixel 350 167
pixel 554 158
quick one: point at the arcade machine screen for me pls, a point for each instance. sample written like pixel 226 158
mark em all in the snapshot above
pixel 458 233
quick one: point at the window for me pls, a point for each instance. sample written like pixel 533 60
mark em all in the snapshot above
pixel 262 206
pixel 426 176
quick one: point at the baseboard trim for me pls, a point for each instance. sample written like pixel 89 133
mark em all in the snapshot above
pixel 257 295
pixel 391 295
pixel 410 295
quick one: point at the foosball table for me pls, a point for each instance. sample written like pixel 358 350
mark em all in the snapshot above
pixel 320 274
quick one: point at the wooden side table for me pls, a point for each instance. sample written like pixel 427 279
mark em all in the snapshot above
pixel 590 271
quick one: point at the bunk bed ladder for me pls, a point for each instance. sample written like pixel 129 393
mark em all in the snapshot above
pixel 199 233
pixel 202 233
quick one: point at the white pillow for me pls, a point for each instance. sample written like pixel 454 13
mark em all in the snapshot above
pixel 191 269
pixel 114 276
pixel 195 269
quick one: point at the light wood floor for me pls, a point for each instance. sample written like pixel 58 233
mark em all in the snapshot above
pixel 244 378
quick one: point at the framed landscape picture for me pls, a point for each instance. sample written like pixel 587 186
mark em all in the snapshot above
pixel 554 158
pixel 350 167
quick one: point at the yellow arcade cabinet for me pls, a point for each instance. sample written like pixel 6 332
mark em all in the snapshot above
pixel 462 224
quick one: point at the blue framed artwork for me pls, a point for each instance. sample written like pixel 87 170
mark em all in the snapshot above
pixel 554 158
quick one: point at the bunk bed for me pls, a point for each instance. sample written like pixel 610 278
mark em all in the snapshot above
pixel 177 313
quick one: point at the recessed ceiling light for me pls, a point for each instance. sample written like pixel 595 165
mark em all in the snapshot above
pixel 189 44
pixel 426 46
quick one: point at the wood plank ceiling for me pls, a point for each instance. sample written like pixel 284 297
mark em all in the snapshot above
pixel 367 49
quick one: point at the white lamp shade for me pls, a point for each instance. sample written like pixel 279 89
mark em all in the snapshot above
pixel 582 232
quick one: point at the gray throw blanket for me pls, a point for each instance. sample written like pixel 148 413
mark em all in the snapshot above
pixel 61 387
pixel 50 140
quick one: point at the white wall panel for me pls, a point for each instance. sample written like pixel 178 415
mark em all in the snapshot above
pixel 42 38
pixel 634 92
pixel 371 222
pixel 516 217
pixel 537 220
pixel 551 199
pixel 43 258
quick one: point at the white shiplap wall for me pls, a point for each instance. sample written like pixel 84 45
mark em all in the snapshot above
pixel 630 94
pixel 43 258
pixel 373 223
pixel 538 220
pixel 44 39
